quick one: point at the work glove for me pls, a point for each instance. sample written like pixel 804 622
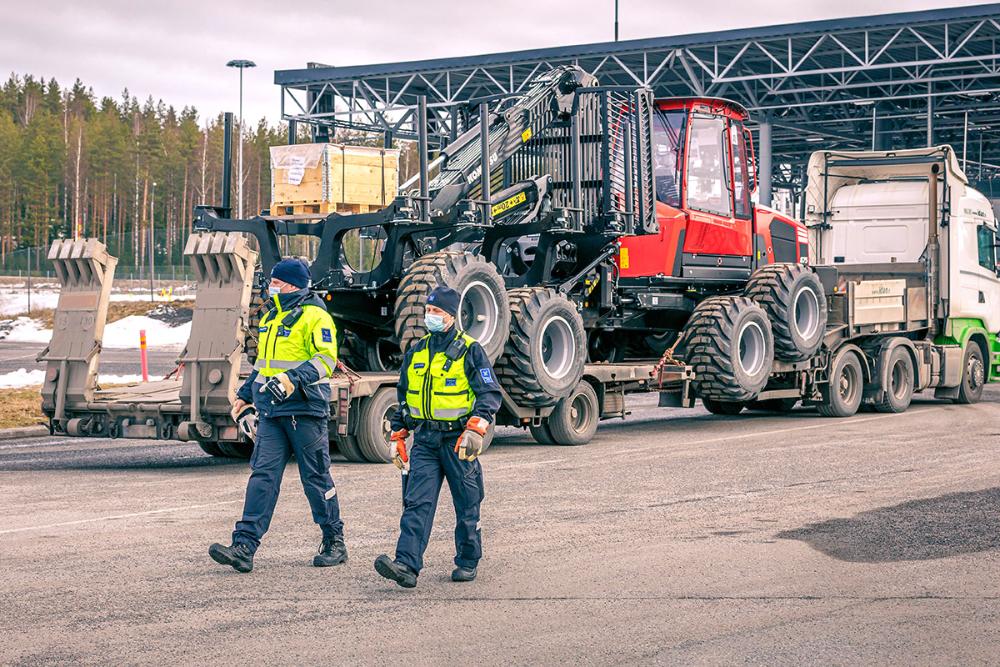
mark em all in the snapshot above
pixel 245 417
pixel 470 443
pixel 278 388
pixel 399 455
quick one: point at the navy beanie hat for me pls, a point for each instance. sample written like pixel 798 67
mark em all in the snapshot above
pixel 292 271
pixel 446 299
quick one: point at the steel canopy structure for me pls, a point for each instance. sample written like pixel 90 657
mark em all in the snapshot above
pixel 892 81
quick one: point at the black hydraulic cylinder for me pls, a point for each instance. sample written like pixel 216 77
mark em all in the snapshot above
pixel 484 143
pixel 227 163
pixel 425 205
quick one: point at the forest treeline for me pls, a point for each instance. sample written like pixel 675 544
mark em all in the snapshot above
pixel 72 164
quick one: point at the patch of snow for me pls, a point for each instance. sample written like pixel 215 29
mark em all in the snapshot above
pixel 26 378
pixel 24 330
pixel 124 334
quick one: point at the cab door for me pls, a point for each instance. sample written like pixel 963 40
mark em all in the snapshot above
pixel 719 240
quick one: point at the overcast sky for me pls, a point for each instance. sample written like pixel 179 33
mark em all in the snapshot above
pixel 177 49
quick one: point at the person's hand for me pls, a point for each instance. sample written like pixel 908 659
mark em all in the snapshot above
pixel 247 422
pixel 238 407
pixel 399 455
pixel 470 443
pixel 279 388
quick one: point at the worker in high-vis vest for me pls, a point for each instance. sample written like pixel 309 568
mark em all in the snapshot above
pixel 285 404
pixel 448 396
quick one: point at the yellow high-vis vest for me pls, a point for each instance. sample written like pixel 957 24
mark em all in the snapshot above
pixel 438 388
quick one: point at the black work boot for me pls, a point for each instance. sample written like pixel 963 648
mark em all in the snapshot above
pixel 463 574
pixel 238 556
pixel 398 572
pixel 333 551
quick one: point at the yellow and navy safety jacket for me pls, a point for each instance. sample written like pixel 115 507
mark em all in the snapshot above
pixel 437 387
pixel 296 336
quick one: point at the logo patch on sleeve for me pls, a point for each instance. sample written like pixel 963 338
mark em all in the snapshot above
pixel 450 382
pixel 487 375
pixel 327 335
pixel 261 329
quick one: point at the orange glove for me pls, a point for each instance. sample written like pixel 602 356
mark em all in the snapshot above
pixel 470 443
pixel 399 456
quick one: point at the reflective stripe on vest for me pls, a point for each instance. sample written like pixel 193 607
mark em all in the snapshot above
pixel 437 389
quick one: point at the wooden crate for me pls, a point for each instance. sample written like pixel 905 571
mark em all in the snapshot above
pixel 334 176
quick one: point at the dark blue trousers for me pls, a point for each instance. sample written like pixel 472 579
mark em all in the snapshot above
pixel 432 460
pixel 277 439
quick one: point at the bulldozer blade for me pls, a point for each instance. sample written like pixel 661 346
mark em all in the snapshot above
pixel 85 271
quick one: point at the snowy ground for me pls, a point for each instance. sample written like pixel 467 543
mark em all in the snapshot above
pixel 123 334
pixel 25 378
pixel 14 298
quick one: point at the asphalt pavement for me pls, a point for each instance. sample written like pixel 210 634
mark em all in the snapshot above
pixel 688 539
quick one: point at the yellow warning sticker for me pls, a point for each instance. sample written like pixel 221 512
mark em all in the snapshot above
pixel 525 136
pixel 508 204
pixel 623 258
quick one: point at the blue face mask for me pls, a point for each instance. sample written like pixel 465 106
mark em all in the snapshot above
pixel 273 291
pixel 434 323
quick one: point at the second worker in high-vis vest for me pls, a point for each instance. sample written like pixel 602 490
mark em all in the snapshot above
pixel 285 406
pixel 448 396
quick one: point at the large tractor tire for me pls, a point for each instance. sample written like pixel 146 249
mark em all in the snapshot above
pixel 236 450
pixel 723 408
pixel 793 298
pixel 545 353
pixel 483 313
pixel 728 342
pixel 250 335
pixel 379 355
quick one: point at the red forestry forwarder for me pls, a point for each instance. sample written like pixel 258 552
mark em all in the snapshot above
pixel 581 223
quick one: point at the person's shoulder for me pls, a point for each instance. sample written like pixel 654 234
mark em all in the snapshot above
pixel 317 312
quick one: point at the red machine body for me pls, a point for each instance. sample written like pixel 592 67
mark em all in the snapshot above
pixel 704 176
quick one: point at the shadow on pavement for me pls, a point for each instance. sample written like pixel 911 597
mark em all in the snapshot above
pixel 927 529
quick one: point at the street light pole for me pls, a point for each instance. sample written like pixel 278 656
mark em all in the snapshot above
pixel 241 65
pixel 152 247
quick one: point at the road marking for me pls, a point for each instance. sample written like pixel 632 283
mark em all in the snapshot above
pixel 115 517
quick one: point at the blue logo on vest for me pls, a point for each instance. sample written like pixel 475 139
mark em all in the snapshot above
pixel 487 375
pixel 262 329
pixel 327 335
pixel 419 365
pixel 450 382
pixel 283 332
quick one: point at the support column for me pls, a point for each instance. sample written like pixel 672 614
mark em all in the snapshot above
pixel 883 134
pixel 764 161
pixel 293 130
pixel 930 115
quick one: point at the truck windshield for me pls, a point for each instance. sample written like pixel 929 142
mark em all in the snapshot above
pixel 668 143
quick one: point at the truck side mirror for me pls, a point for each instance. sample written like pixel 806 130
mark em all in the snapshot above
pixel 751 162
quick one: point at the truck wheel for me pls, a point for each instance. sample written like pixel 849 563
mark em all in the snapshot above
pixel 211 448
pixel 348 446
pixel 380 355
pixel 793 298
pixel 545 352
pixel 898 391
pixel 374 427
pixel 574 421
pixel 483 313
pixel 728 342
pixel 236 450
pixel 781 405
pixel 722 407
pixel 541 434
pixel 973 375
pixel 842 397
